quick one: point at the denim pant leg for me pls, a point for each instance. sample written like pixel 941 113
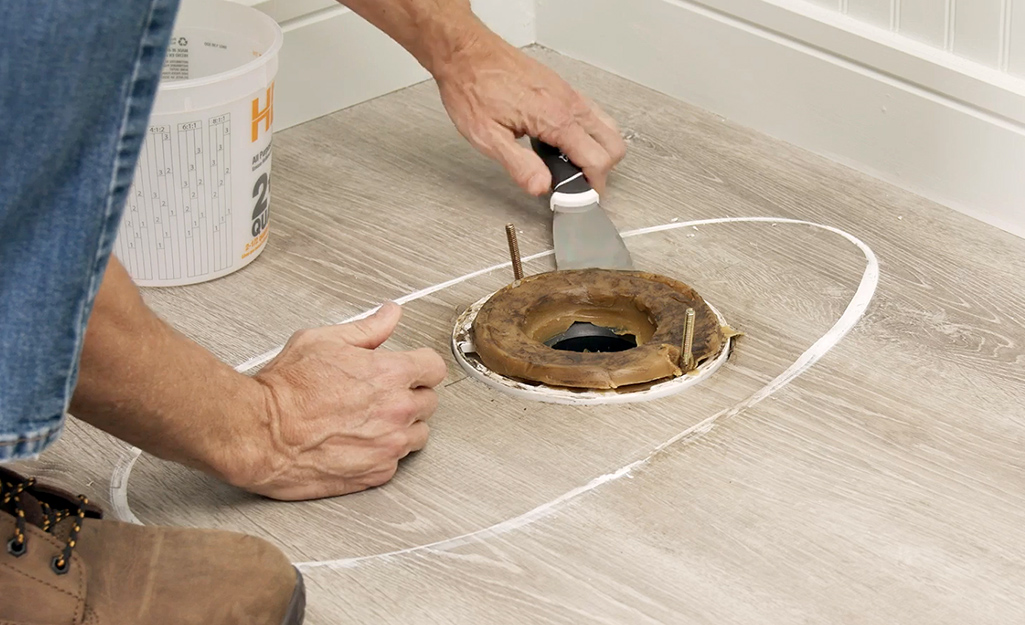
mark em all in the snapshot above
pixel 77 83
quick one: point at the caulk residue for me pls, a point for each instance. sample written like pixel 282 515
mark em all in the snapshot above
pixel 852 314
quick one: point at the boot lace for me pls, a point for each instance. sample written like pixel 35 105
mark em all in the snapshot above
pixel 11 494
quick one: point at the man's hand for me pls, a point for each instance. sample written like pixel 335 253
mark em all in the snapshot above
pixel 495 94
pixel 332 414
pixel 340 413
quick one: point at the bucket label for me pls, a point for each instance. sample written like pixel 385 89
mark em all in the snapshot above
pixel 261 118
pixel 261 157
pixel 261 213
pixel 178 221
pixel 199 205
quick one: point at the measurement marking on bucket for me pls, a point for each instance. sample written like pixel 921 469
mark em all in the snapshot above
pixel 172 231
pixel 189 193
pixel 220 189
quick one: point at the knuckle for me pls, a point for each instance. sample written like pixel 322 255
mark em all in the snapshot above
pixel 384 475
pixel 409 407
pixel 389 448
pixel 395 445
pixel 433 365
pixel 562 122
pixel 406 373
pixel 313 336
pixel 580 105
pixel 359 330
pixel 618 150
pixel 418 443
pixel 556 120
pixel 303 336
pixel 481 136
pixel 414 364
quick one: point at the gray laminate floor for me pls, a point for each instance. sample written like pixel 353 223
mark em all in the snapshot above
pixel 884 485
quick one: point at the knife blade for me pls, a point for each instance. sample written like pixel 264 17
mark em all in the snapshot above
pixel 583 234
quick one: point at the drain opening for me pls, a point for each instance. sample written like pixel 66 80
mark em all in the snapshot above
pixel 587 337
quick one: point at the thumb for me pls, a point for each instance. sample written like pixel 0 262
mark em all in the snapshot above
pixel 525 167
pixel 371 332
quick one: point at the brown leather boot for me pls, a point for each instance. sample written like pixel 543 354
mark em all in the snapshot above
pixel 61 563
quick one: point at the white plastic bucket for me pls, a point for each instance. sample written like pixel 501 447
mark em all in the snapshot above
pixel 199 204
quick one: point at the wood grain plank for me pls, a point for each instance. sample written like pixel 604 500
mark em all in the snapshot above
pixel 882 486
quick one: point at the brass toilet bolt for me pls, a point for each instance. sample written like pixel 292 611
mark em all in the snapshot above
pixel 687 354
pixel 514 251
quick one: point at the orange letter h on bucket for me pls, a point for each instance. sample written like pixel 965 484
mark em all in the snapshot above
pixel 265 115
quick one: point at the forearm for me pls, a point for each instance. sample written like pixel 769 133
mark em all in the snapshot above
pixel 149 385
pixel 433 31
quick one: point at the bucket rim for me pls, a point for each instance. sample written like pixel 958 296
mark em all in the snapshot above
pixel 245 68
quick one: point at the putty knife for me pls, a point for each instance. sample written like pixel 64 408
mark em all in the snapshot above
pixel 584 235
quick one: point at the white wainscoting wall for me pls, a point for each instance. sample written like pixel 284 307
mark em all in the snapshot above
pixel 928 120
pixel 991 32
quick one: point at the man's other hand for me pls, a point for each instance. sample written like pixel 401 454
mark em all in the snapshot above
pixel 339 412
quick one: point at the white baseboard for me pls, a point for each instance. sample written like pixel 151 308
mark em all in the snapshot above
pixel 940 126
pixel 333 59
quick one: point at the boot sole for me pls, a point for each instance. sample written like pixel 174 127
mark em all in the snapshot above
pixel 297 604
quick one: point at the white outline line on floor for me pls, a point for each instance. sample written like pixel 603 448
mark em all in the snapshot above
pixel 852 314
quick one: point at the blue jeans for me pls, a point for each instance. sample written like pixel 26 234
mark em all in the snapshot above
pixel 77 83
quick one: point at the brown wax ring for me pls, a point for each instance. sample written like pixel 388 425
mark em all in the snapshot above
pixel 510 330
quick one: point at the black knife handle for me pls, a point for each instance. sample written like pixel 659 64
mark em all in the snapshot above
pixel 566 177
